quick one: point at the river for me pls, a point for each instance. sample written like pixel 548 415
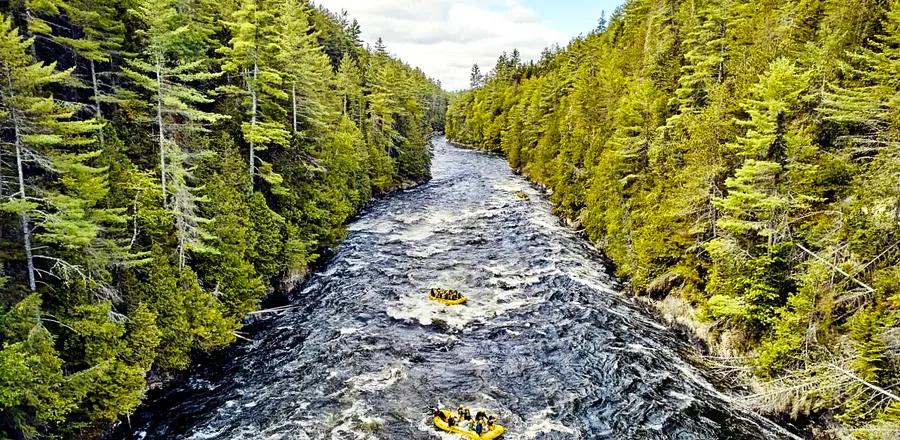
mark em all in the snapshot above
pixel 546 340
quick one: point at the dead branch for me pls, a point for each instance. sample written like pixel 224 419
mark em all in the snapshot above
pixel 867 384
pixel 813 254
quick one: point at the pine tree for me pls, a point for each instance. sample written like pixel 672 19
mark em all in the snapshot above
pixel 108 249
pixel 380 80
pixel 35 16
pixel 355 32
pixel 705 50
pixel 103 36
pixel 869 107
pixel 239 279
pixel 33 390
pixel 253 55
pixel 380 48
pixel 622 170
pixel 515 59
pixel 755 215
pixel 601 22
pixel 142 337
pixel 306 68
pixel 167 75
pixel 109 385
pixel 349 86
pixel 719 185
pixel 475 78
pixel 776 98
pixel 41 135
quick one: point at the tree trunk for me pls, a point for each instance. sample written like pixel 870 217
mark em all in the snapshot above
pixel 26 229
pixel 253 107
pixel 97 111
pixel 162 136
pixel 181 260
pixel 294 104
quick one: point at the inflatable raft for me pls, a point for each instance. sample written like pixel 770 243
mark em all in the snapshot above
pixel 450 302
pixel 495 432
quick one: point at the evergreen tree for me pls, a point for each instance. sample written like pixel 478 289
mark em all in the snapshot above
pixel 705 48
pixel 349 86
pixel 33 391
pixel 103 37
pixel 380 48
pixel 355 32
pixel 682 136
pixel 775 99
pixel 869 108
pixel 475 78
pixel 164 72
pixel 42 135
pixel 306 68
pixel 253 55
pixel 601 22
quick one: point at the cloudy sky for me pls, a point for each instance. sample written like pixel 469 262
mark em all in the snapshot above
pixel 445 37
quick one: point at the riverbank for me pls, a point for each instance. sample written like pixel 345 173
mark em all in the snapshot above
pixel 730 368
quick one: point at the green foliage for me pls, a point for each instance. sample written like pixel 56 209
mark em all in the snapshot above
pixel 167 74
pixel 741 155
pixel 33 390
pixel 57 215
pixel 142 337
pixel 134 232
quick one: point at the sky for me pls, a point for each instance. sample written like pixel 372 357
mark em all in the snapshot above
pixel 445 37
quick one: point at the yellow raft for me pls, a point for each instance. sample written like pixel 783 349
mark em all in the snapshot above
pixel 495 432
pixel 450 302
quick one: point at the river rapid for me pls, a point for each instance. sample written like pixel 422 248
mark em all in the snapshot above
pixel 546 340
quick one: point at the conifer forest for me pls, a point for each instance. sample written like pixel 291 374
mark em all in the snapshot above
pixel 162 164
pixel 740 159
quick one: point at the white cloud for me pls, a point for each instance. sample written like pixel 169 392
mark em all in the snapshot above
pixel 445 37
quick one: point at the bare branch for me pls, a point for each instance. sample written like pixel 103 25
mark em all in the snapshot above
pixel 870 385
pixel 858 282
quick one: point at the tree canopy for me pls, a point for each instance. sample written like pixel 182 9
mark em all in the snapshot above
pixel 164 163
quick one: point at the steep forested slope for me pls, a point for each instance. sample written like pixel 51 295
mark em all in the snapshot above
pixel 163 162
pixel 743 156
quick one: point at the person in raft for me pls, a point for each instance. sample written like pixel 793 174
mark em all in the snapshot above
pixel 449 295
pixel 439 414
pixel 491 421
pixel 482 423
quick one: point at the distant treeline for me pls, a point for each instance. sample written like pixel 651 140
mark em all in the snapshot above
pixel 743 156
pixel 162 163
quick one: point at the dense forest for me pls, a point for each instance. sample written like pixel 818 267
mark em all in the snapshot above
pixel 162 163
pixel 742 157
